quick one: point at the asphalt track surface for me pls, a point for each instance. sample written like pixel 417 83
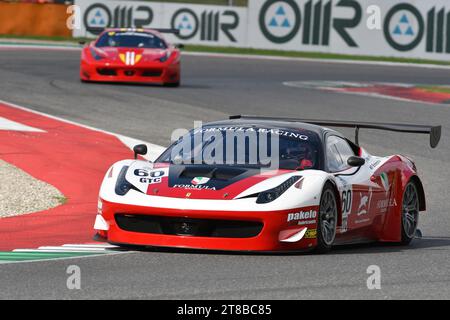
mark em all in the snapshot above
pixel 212 89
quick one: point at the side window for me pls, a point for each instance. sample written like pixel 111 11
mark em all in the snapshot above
pixel 338 152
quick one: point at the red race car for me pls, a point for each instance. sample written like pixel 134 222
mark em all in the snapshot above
pixel 218 188
pixel 131 55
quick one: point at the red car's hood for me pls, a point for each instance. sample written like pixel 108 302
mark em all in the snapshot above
pixel 119 54
pixel 196 181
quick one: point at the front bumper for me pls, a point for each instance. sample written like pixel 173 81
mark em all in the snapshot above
pixel 275 234
pixel 148 73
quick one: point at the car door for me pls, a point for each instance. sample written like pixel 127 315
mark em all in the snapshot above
pixel 352 183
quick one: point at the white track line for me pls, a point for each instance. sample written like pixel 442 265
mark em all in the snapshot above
pixel 93 245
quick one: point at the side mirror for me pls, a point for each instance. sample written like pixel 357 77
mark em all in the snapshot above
pixel 354 161
pixel 140 149
pixel 179 46
pixel 81 42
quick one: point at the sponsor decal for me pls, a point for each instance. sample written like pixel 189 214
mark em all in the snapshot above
pixel 347 201
pixel 303 217
pixel 194 187
pixel 374 164
pixel 362 221
pixel 279 132
pixel 384 205
pixel 150 177
pixel 364 203
pixel 362 208
pixel 130 58
pixel 311 234
pixel 200 180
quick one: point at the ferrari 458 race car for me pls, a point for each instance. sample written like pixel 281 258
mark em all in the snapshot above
pixel 131 55
pixel 264 184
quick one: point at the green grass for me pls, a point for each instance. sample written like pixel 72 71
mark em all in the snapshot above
pixel 249 51
pixel 436 89
pixel 61 200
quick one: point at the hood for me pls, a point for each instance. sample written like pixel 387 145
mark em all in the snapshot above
pixel 200 181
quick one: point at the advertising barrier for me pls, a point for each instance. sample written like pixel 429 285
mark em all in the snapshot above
pixel 409 28
pixel 385 28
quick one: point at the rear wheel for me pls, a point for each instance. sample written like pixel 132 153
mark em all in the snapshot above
pixel 328 216
pixel 410 213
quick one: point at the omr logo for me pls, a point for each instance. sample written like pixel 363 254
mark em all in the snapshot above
pixel 209 25
pixel 404 27
pixel 187 22
pixel 98 16
pixel 280 20
pixel 98 19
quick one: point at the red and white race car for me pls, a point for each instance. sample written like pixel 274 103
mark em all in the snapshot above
pixel 218 188
pixel 131 55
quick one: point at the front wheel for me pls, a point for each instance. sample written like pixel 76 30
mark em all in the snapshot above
pixel 328 216
pixel 410 213
pixel 172 84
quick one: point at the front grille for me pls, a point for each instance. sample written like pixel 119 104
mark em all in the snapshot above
pixel 152 73
pixel 106 72
pixel 188 227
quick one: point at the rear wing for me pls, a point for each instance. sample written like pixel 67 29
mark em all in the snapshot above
pixel 167 30
pixel 433 131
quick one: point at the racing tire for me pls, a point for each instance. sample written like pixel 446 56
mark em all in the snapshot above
pixel 410 212
pixel 172 84
pixel 327 220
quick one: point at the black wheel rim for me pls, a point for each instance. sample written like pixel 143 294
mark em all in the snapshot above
pixel 328 217
pixel 410 214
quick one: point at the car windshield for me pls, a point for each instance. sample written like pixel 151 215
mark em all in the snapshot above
pixel 130 40
pixel 274 148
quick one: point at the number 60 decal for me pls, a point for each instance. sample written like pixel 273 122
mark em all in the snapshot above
pixel 346 202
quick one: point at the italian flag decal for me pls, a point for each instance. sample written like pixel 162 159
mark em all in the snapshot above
pixel 199 180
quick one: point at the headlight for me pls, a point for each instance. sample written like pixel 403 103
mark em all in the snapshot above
pixel 95 54
pixel 272 194
pixel 165 57
pixel 122 185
